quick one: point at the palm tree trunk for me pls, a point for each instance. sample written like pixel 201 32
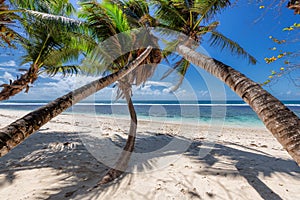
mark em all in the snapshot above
pixel 18 131
pixel 123 160
pixel 20 84
pixel 282 123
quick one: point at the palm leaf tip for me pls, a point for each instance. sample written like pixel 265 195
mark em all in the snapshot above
pixel 64 70
pixel 219 40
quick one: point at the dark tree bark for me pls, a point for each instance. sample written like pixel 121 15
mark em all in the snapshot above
pixel 282 122
pixel 124 158
pixel 18 131
pixel 20 84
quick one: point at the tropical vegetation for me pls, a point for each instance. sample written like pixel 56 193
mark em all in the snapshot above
pixel 108 19
pixel 50 47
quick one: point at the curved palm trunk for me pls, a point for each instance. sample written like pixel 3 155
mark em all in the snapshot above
pixel 18 131
pixel 123 160
pixel 20 84
pixel 283 123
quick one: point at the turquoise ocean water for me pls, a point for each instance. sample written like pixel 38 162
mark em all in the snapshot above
pixel 231 113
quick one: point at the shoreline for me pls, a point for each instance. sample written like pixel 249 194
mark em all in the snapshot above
pixel 170 120
pixel 69 155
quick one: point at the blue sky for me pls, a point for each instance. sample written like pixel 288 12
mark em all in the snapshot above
pixel 245 23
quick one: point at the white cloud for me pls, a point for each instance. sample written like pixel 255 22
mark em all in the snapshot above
pixel 54 87
pixel 68 83
pixel 167 90
pixel 159 83
pixel 7 76
pixel 10 63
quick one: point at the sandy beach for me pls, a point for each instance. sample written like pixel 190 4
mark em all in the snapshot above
pixel 70 154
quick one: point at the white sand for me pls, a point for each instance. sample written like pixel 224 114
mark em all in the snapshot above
pixel 69 155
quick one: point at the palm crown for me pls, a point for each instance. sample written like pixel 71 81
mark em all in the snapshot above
pixel 193 18
pixel 7 34
pixel 111 24
pixel 48 42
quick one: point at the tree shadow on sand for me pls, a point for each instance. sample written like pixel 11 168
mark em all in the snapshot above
pixel 76 170
pixel 249 164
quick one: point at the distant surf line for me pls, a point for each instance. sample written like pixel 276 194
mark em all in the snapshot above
pixel 137 104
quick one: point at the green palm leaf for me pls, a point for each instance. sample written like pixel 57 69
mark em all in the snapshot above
pixel 50 18
pixel 219 40
pixel 181 67
pixel 168 14
pixel 65 70
pixel 59 7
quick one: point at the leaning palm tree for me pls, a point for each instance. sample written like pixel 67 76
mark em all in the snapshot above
pixel 281 122
pixel 106 21
pixel 18 131
pixel 105 27
pixel 189 14
pixel 48 46
pixel 193 19
pixel 246 89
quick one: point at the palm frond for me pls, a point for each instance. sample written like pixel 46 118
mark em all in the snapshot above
pixel 54 19
pixel 137 12
pixel 202 30
pixel 62 55
pixel 181 67
pixel 104 19
pixel 209 8
pixel 219 40
pixel 8 36
pixel 111 22
pixel 81 41
pixel 110 26
pixel 52 44
pixel 117 17
pixel 101 57
pixel 168 14
pixel 89 67
pixel 58 7
pixel 65 70
pixel 170 47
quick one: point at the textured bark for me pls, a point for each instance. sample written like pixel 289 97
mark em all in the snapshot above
pixel 294 5
pixel 282 123
pixel 20 84
pixel 18 131
pixel 124 158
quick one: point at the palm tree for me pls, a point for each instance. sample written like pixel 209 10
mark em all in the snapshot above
pixel 18 131
pixel 48 46
pixel 60 7
pixel 103 26
pixel 7 34
pixel 107 20
pixel 193 19
pixel 282 122
pixel 251 92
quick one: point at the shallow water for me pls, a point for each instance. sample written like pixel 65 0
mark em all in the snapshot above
pixel 231 113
